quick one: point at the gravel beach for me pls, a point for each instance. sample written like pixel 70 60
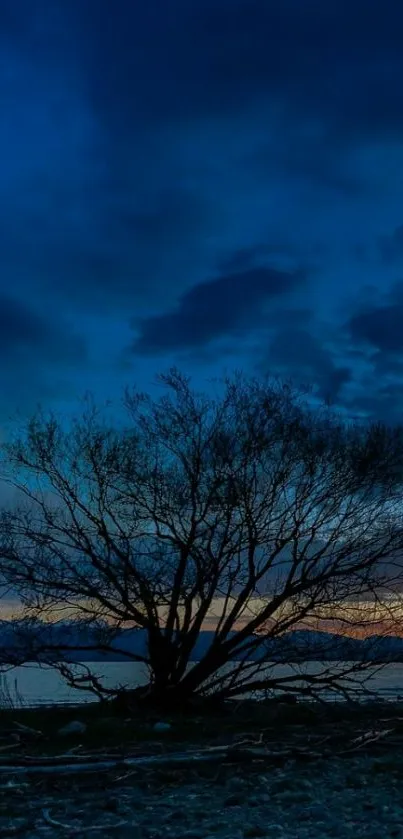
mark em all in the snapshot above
pixel 356 796
pixel 270 771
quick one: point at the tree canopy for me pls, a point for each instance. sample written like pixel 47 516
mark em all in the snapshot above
pixel 250 512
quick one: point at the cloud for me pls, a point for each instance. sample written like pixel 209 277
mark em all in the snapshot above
pixel 188 58
pixel 37 353
pixel 371 339
pixel 22 329
pixel 379 327
pixel 216 309
pixel 356 362
pixel 198 117
pixel 391 247
pixel 309 155
pixel 380 402
pixel 379 324
pixel 297 352
pixel 152 161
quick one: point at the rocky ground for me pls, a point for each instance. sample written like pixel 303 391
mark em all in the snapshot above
pixel 346 781
pixel 349 797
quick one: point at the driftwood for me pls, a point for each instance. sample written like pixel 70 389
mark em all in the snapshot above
pixel 245 750
pixel 26 729
pixel 366 739
pixel 217 754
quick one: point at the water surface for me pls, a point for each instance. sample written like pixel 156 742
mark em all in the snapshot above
pixel 38 685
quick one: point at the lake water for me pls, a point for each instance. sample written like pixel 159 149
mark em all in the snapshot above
pixel 38 685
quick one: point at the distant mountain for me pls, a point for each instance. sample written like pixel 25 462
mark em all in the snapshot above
pixel 18 638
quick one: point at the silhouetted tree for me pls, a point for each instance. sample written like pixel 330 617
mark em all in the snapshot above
pixel 251 505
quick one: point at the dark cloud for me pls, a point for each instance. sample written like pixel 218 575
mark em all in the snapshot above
pixel 38 356
pixel 386 363
pixel 305 84
pixel 298 353
pixel 381 402
pixel 168 60
pixel 379 327
pixel 154 158
pixel 24 330
pixel 355 363
pixel 379 324
pixel 310 155
pixel 215 309
pixel 19 326
pixel 245 259
pixel 40 30
pixel 372 341
pixel 127 252
pixel 391 247
pixel 289 86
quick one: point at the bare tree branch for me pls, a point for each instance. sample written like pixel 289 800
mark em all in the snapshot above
pixel 250 504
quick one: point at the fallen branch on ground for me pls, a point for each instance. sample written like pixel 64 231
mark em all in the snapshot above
pixel 72 829
pixel 26 729
pixel 216 754
pixel 248 749
pixel 10 746
pixel 365 739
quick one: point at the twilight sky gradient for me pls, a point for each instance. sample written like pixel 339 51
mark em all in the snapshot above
pixel 206 183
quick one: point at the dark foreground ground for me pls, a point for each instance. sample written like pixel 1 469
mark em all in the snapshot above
pixel 288 772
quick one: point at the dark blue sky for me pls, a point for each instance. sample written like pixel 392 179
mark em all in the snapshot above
pixel 206 183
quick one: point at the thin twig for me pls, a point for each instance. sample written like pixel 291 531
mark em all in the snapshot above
pixel 74 829
pixel 10 746
pixel 125 776
pixel 74 749
pixel 54 822
pixel 27 729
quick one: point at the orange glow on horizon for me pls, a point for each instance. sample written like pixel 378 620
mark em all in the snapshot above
pixel 360 620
